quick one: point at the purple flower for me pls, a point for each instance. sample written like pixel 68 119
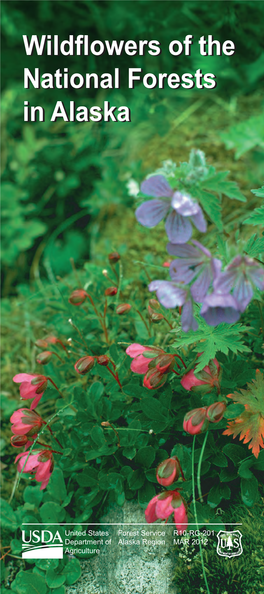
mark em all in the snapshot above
pixel 242 274
pixel 170 296
pixel 184 210
pixel 194 262
pixel 218 308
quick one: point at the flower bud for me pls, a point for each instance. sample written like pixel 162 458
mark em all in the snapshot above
pixel 105 424
pixel 154 379
pixel 77 297
pixel 155 317
pixel 83 365
pixel 103 360
pixel 195 421
pixel 215 411
pixel 168 471
pixel 113 257
pixel 166 264
pixel 122 308
pixel 154 304
pixel 111 291
pixel 17 441
pixel 164 363
pixel 42 344
pixel 44 357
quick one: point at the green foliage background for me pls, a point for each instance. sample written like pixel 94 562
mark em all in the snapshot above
pixel 65 195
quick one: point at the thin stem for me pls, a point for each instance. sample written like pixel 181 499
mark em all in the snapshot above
pixel 115 376
pixel 79 332
pixel 195 517
pixel 173 371
pixel 180 360
pixel 167 322
pixel 50 430
pixel 261 317
pixel 199 468
pixel 144 322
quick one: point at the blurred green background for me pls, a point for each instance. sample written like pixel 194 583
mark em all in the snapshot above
pixel 65 185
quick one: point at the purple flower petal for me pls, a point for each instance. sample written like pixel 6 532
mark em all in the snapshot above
pixel 243 292
pixel 218 309
pixel 180 273
pixel 184 204
pixel 150 213
pixel 178 228
pixel 201 247
pixel 168 294
pixel 156 186
pixel 187 320
pixel 202 284
pixel 183 250
pixel 199 221
pixel 225 281
pixel 257 277
pixel 216 266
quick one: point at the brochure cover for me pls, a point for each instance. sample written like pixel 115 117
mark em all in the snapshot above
pixel 132 297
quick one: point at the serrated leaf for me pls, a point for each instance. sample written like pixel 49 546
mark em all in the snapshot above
pixel 218 183
pixel 250 424
pixel 223 338
pixel 211 204
pixel 257 216
pixel 259 192
pixel 245 135
pixel 254 246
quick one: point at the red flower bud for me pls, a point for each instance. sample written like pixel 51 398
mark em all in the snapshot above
pixel 103 360
pixel 168 471
pixel 154 379
pixel 164 363
pixel 154 304
pixel 195 421
pixel 111 291
pixel 77 297
pixel 215 411
pixel 44 357
pixel 83 365
pixel 113 257
pixel 42 344
pixel 155 317
pixel 122 308
pixel 17 441
pixel 105 424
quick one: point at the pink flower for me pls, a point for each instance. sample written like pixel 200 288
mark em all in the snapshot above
pixel 32 386
pixel 196 421
pixel 208 378
pixel 168 471
pixel 26 422
pixel 39 462
pixel 140 363
pixel 163 505
pixel 154 379
pixel 215 411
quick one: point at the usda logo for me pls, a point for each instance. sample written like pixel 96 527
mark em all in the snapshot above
pixel 41 544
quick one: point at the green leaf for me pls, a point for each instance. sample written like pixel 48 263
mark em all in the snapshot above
pixel 259 192
pixel 145 494
pixel 220 460
pixel 56 486
pixel 54 580
pixel 245 135
pixel 217 493
pixel 211 205
pixel 27 582
pixel 235 452
pixel 129 453
pixel 257 216
pixel 145 456
pixel 52 512
pixel 72 571
pixel 136 480
pixel 33 495
pixel 153 409
pixel 254 246
pixel 222 338
pixel 97 435
pixel 233 410
pixel 8 518
pixel 249 491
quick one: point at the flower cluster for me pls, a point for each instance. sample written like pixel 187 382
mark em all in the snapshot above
pixel 153 363
pixel 197 420
pixel 169 502
pixel 196 275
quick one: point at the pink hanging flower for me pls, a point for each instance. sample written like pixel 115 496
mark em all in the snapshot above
pixel 140 363
pixel 207 378
pixel 196 421
pixel 163 505
pixel 39 463
pixel 32 386
pixel 168 471
pixel 26 422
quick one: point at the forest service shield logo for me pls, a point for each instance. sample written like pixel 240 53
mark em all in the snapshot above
pixel 229 543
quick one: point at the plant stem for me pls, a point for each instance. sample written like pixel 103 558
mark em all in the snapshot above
pixel 115 376
pixel 261 317
pixel 195 517
pixel 144 322
pixel 199 468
